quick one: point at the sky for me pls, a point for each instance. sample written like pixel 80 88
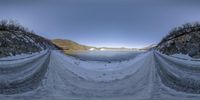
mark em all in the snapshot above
pixel 102 23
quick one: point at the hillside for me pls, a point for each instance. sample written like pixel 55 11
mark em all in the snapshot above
pixel 15 39
pixel 184 39
pixel 69 45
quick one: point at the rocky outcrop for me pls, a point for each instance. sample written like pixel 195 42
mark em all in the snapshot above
pixel 185 40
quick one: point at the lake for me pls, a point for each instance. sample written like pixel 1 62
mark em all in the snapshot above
pixel 106 56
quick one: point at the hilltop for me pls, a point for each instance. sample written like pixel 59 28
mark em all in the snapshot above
pixel 70 45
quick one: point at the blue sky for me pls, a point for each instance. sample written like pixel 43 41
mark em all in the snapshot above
pixel 111 23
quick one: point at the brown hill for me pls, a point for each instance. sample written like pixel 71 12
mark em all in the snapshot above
pixel 69 45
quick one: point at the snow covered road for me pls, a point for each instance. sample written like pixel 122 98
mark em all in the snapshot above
pixel 23 75
pixel 54 76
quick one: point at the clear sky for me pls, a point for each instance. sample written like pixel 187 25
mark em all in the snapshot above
pixel 111 23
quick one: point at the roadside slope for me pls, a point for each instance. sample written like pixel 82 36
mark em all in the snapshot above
pixel 16 40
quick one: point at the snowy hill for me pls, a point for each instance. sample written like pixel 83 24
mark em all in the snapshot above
pixel 184 39
pixel 15 40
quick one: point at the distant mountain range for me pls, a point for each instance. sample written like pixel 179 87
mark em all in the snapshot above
pixel 71 45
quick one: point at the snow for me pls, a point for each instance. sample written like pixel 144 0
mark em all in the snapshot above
pixel 21 70
pixel 102 49
pixel 22 56
pixel 91 49
pixel 149 76
pixel 184 57
pixel 180 55
pixel 100 71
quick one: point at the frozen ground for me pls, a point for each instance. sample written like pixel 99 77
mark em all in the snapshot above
pixel 184 57
pixel 22 56
pixel 53 76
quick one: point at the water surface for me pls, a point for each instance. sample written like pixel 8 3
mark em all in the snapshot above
pixel 106 56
